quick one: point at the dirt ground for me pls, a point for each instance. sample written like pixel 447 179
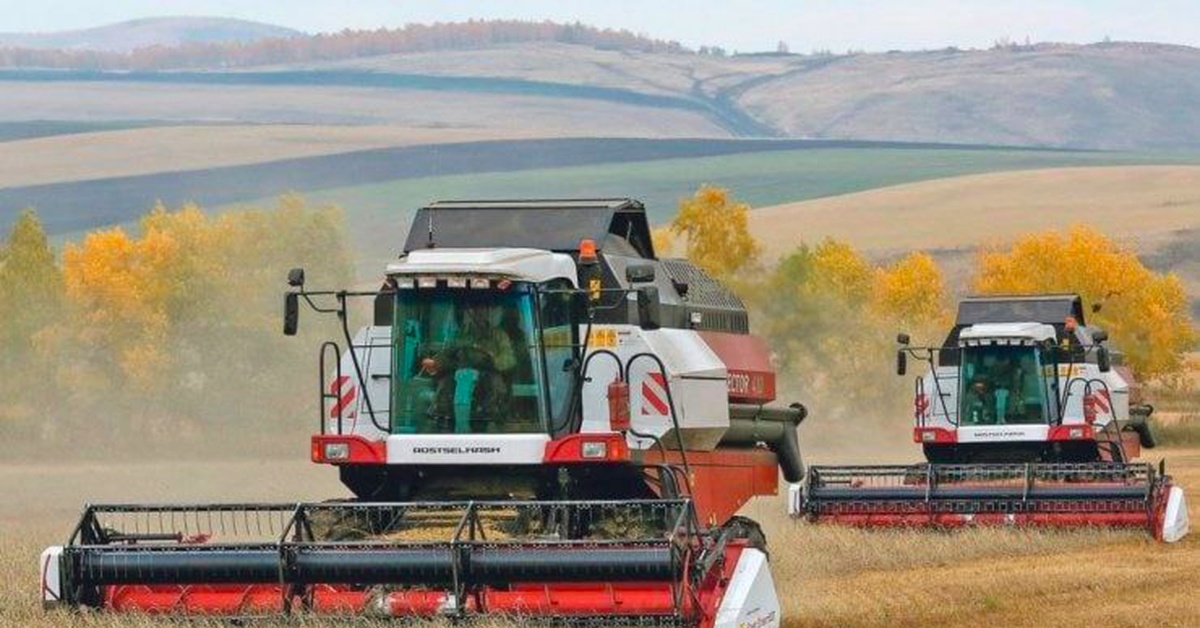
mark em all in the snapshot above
pixel 827 576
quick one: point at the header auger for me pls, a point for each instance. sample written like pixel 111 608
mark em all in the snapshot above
pixel 1024 420
pixel 543 420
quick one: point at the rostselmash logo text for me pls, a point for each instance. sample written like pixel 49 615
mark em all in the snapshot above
pixel 760 622
pixel 455 451
pixel 998 434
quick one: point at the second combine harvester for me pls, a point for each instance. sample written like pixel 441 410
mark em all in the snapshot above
pixel 1024 419
pixel 544 420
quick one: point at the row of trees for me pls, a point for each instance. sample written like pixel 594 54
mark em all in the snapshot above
pixel 175 326
pixel 347 44
pixel 831 315
pixel 172 327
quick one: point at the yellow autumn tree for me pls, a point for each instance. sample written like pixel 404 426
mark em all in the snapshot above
pixel 715 230
pixel 31 288
pixel 813 310
pixel 911 293
pixel 1145 313
pixel 192 300
pixel 664 241
pixel 118 289
pixel 840 270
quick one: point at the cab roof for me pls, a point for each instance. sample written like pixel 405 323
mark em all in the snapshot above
pixel 986 332
pixel 548 224
pixel 1050 309
pixel 520 264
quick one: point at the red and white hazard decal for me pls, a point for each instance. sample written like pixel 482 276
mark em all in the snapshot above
pixel 1103 401
pixel 346 393
pixel 654 395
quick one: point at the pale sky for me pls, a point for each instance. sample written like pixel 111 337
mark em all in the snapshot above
pixel 743 25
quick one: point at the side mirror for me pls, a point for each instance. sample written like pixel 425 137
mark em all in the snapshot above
pixel 296 278
pixel 901 362
pixel 1099 336
pixel 1103 359
pixel 649 311
pixel 291 312
pixel 902 339
pixel 639 273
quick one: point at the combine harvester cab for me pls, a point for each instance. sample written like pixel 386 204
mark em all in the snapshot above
pixel 543 420
pixel 1024 420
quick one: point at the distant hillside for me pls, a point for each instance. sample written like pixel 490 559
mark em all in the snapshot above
pixel 1106 96
pixel 1116 95
pixel 285 47
pixel 1103 96
pixel 125 37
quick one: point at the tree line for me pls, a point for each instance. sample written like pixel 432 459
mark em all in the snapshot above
pixel 169 328
pixel 172 327
pixel 346 44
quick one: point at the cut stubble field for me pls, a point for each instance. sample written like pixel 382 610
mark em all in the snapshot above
pixel 826 576
pixel 1129 202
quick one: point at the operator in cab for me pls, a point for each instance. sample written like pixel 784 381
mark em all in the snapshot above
pixel 474 373
pixel 979 404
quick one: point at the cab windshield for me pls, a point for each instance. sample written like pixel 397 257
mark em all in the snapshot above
pixel 1001 384
pixel 466 362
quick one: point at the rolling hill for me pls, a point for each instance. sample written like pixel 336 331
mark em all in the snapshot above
pixel 373 184
pixel 1129 201
pixel 143 33
pixel 1109 96
pixel 1106 96
pixel 1116 95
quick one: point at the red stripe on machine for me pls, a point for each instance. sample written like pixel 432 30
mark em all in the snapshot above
pixel 347 392
pixel 654 395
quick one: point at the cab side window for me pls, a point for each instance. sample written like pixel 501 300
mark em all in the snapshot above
pixel 558 340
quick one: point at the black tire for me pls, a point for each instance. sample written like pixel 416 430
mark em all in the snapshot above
pixel 941 454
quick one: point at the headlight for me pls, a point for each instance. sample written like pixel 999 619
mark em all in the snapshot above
pixel 337 451
pixel 593 449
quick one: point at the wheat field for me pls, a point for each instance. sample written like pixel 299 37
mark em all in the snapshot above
pixel 130 152
pixel 1127 202
pixel 826 576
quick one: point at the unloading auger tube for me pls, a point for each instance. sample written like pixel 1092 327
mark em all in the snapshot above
pixel 533 560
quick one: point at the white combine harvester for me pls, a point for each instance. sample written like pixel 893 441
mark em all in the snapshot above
pixel 544 421
pixel 1024 420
